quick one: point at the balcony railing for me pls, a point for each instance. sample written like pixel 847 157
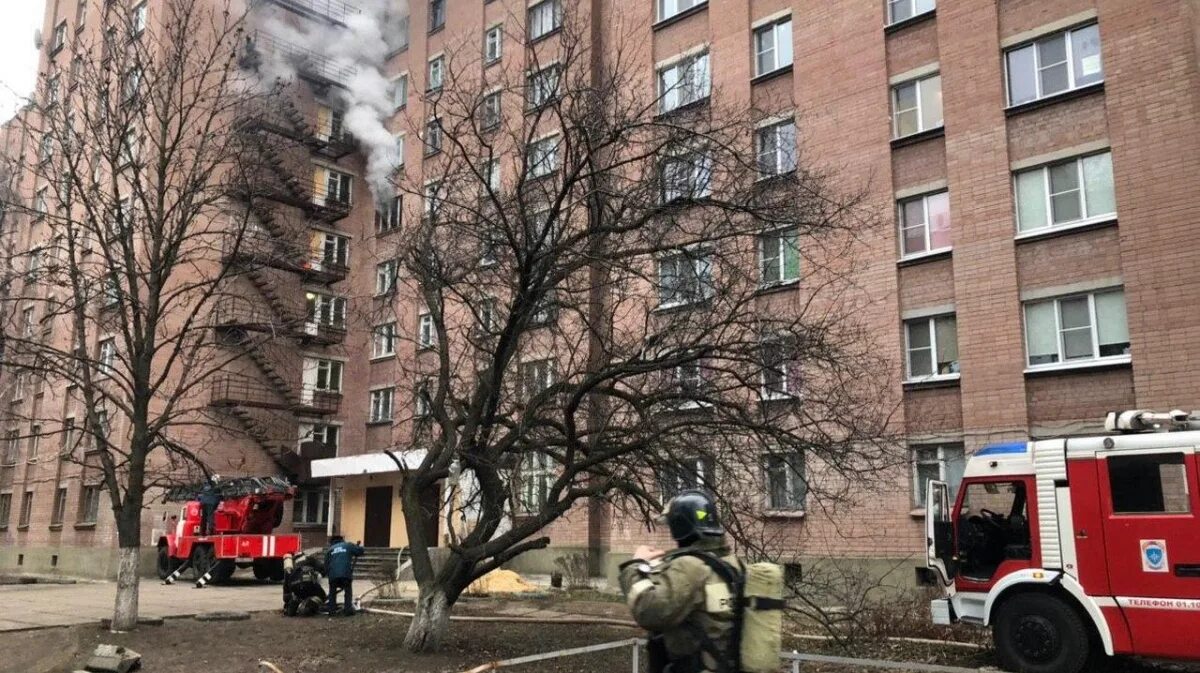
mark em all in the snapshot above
pixel 310 65
pixel 262 249
pixel 237 314
pixel 327 205
pixel 231 391
pixel 333 11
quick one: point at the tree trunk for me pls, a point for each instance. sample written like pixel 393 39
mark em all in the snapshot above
pixel 125 611
pixel 431 621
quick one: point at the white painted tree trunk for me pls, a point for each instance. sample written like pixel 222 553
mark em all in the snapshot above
pixel 431 621
pixel 125 611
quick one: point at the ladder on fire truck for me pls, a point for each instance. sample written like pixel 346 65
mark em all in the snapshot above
pixel 1141 420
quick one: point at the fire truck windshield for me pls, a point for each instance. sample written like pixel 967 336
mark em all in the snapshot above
pixel 993 527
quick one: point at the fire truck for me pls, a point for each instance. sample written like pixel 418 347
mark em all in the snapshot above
pixel 1069 548
pixel 250 509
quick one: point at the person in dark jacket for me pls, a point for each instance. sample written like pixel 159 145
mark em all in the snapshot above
pixel 210 499
pixel 339 568
pixel 302 591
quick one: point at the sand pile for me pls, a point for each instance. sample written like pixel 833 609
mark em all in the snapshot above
pixel 501 582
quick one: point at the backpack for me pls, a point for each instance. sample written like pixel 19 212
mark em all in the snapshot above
pixel 758 611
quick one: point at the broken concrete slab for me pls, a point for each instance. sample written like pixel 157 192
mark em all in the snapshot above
pixel 113 659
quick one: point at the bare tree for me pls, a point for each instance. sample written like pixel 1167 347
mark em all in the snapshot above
pixel 138 195
pixel 597 259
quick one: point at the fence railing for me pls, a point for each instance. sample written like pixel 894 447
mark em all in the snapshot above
pixel 332 10
pixel 307 62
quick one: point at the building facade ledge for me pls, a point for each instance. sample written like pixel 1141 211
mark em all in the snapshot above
pixel 1032 105
pixel 915 138
pixel 910 21
pixel 1067 229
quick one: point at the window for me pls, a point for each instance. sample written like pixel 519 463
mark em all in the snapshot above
pixel 931 346
pixel 386 274
pixel 779 257
pixel 60 38
pixel 326 434
pixel 400 91
pixel 437 73
pixel 686 174
pixel 334 250
pixel 775 146
pixel 779 370
pixel 326 310
pixel 537 475
pixel 384 341
pixel 545 310
pixel 900 10
pixel 684 278
pixel 684 82
pixel 544 18
pixel 329 376
pixel 433 200
pixel 53 91
pixel 542 157
pixel 1076 191
pixel 916 106
pixel 426 334
pixel 68 435
pixel 39 202
pixel 542 86
pixel 26 509
pixel 537 376
pixel 433 136
pixel 138 23
pixel 437 14
pixel 89 504
pixel 924 224
pixel 35 441
pixel 489 317
pixel 46 149
pixel 684 475
pixel 423 398
pixel 133 83
pixel 12 447
pixel 490 242
pixel 1154 483
pixel 773 46
pixel 669 8
pixel 60 506
pixel 936 462
pixel 387 215
pixel 787 488
pixel 1080 328
pixel 489 111
pixel 80 13
pixel 311 506
pixel 397 151
pixel 106 361
pixel 5 509
pixel 112 290
pixel 27 322
pixel 490 170
pixel 331 124
pixel 337 188
pixel 381 405
pixel 1054 64
pixel 689 382
pixel 103 427
pixel 492 44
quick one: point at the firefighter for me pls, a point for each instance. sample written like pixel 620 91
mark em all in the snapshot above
pixel 209 499
pixel 678 598
pixel 339 568
pixel 302 591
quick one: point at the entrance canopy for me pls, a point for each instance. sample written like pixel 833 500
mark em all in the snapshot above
pixel 367 463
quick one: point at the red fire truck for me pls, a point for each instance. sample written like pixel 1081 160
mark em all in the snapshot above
pixel 1068 548
pixel 251 508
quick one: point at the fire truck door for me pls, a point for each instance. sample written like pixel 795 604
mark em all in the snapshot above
pixel 1152 543
pixel 939 531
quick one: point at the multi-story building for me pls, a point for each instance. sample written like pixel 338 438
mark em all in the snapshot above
pixel 1031 163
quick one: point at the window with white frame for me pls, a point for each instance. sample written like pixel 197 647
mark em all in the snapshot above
pixel 387 214
pixel 328 376
pixel 778 376
pixel 423 398
pixel 27 322
pixel 775 145
pixel 330 123
pixel 902 10
pixel 773 46
pixel 89 504
pixel 386 274
pixel 542 86
pixel 779 257
pixel 60 37
pixel 383 341
pixel 490 170
pixel 39 202
pixel 493 44
pixel 400 91
pixel 107 359
pixel 325 310
pixel 542 157
pixel 46 149
pixel 689 381
pixel 12 447
pixel 436 73
pixel 26 509
pixel 140 15
pixel 426 334
pixel 917 106
pixel 35 441
pixel 545 310
pixel 936 462
pixel 1079 328
pixel 536 377
pixel 133 82
pixel 60 506
pixel 433 200
pixel 489 316
pixel 685 81
pixel 544 18
pixel 686 174
pixel 787 487
pixel 398 151
pixel 931 347
pixel 669 8
pixel 1076 191
pixel 1054 64
pixel 433 136
pixel 685 474
pixel 381 405
pixel 5 510
pixel 684 277
pixel 537 475
pixel 924 224
pixel 310 507
pixel 326 434
pixel 334 249
pixel 489 111
pixel 338 187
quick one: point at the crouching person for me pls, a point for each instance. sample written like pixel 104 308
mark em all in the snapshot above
pixel 339 568
pixel 303 594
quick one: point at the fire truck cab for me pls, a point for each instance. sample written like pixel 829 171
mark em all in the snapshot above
pixel 1068 548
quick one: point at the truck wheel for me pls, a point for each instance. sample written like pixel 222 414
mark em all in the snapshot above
pixel 268 569
pixel 222 570
pixel 203 559
pixel 1036 633
pixel 166 564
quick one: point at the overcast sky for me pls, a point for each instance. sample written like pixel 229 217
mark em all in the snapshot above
pixel 18 57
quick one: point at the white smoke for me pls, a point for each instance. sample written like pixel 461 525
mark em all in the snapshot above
pixel 362 45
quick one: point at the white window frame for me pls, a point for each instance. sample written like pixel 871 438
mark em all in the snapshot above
pixel 686 90
pixel 942 461
pixel 920 106
pixel 490 111
pixel 1093 327
pixel 1038 67
pixel 536 17
pixel 493 44
pixel 488 311
pixel 386 276
pixel 670 8
pixel 301 516
pixel 773 27
pixel 383 340
pixel 388 215
pixel 537 474
pixel 696 165
pixel 423 398
pixel 335 249
pixel 928 236
pixel 537 376
pixel 106 357
pixel 929 323
pixel 326 310
pixel 915 9
pixel 435 73
pixel 438 13
pixel 542 86
pixel 426 334
pixel 699 467
pixel 784 158
pixel 790 474
pixel 140 16
pixel 1048 204
pixel 783 247
pixel 400 91
pixel 434 136
pixel 542 156
pixel 702 269
pixel 785 369
pixel 333 371
pixel 432 201
pixel 382 405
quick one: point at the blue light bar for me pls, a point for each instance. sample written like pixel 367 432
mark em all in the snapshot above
pixel 1001 449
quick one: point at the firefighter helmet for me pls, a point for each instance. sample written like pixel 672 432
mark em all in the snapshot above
pixel 693 514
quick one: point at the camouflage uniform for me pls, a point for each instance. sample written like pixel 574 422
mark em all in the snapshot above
pixel 687 603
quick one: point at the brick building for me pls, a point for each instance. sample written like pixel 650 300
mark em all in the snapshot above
pixel 1000 141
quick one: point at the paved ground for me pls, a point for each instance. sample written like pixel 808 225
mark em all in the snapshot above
pixel 40 605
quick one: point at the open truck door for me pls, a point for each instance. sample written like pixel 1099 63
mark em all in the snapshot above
pixel 939 531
